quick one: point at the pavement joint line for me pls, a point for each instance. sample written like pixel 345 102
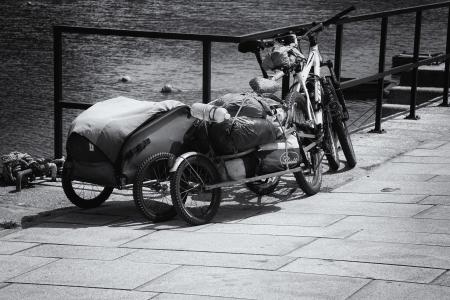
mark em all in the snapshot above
pixel 205 251
pixel 362 287
pixel 214 296
pixel 310 242
pixel 332 223
pixel 353 233
pixel 372 263
pixel 78 286
pixel 430 179
pixel 424 211
pixel 406 243
pixel 5 284
pixel 165 273
pixel 126 254
pixel 18 252
pixel 291 260
pixel 132 240
pixel 438 277
pixel 32 269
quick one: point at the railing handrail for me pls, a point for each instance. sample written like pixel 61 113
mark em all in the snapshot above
pixel 148 34
pixel 392 12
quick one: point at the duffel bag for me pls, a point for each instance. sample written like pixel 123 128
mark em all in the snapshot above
pixel 240 134
pixel 275 157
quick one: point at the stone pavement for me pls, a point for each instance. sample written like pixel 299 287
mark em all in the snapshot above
pixel 381 232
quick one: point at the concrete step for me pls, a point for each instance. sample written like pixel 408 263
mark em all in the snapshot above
pixel 429 76
pixel 401 94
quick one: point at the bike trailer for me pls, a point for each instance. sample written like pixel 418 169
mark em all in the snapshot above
pixel 107 142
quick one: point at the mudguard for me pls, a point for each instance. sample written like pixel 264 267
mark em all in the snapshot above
pixel 183 157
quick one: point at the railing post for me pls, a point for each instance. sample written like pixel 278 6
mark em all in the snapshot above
pixel 338 50
pixel 447 70
pixel 380 88
pixel 206 71
pixel 57 92
pixel 415 71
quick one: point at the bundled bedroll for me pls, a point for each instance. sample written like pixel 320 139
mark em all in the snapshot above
pixel 248 127
pixel 112 137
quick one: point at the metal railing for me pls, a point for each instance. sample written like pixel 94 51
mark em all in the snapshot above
pixel 206 41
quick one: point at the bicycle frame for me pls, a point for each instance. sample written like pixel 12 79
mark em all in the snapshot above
pixel 313 62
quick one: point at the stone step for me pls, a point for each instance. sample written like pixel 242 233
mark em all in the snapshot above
pixel 401 94
pixel 429 76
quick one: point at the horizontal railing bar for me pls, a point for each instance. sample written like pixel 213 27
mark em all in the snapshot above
pixel 76 105
pixel 396 70
pixel 148 34
pixel 274 32
pixel 393 12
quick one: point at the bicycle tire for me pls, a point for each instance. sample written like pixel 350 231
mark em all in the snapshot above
pixel 77 195
pixel 263 187
pixel 151 188
pixel 346 143
pixel 187 186
pixel 312 186
pixel 331 143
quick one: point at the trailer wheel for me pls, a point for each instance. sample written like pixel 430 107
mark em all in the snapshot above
pixel 151 188
pixel 83 194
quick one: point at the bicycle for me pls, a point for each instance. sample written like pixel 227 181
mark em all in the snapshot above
pixel 322 113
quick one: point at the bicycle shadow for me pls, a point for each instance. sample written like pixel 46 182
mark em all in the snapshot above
pixel 238 203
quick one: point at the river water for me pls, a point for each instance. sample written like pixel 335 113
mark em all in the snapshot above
pixel 93 65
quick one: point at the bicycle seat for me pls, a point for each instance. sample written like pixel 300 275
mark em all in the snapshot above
pixel 249 46
pixel 264 86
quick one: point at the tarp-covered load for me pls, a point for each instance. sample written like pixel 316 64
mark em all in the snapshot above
pixel 247 104
pixel 240 134
pixel 107 124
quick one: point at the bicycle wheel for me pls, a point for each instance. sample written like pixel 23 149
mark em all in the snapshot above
pixel 151 188
pixel 191 201
pixel 264 187
pixel 330 143
pixel 310 177
pixel 346 143
pixel 83 194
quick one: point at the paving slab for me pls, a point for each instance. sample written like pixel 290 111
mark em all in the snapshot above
pixel 397 187
pixel 287 230
pixel 433 144
pixel 246 261
pixel 12 266
pixel 220 242
pixel 71 251
pixel 444 279
pixel 421 159
pixel 324 206
pixel 167 296
pixel 441 178
pixel 298 219
pixel 436 212
pixel 400 177
pixel 436 200
pixel 117 274
pixel 254 284
pixel 13 247
pixel 429 152
pixel 73 234
pixel 362 270
pixel 48 292
pixel 407 237
pixel 77 218
pixel 394 224
pixel 399 290
pixel 414 168
pixel 377 252
pixel 377 197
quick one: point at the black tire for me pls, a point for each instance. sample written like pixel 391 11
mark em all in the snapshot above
pixel 346 143
pixel 310 178
pixel 330 143
pixel 83 194
pixel 151 188
pixel 264 187
pixel 192 203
